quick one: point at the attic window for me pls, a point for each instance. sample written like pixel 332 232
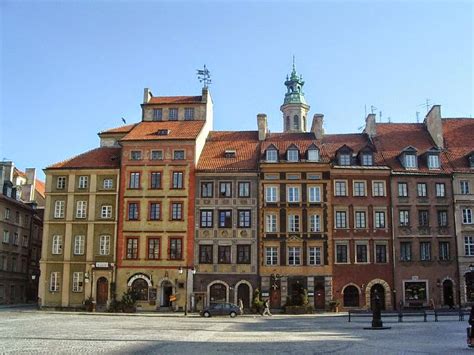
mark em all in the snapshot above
pixel 163 132
pixel 344 159
pixel 229 153
pixel 367 159
pixel 272 155
pixel 313 154
pixel 433 161
pixel 292 155
pixel 471 161
pixel 410 161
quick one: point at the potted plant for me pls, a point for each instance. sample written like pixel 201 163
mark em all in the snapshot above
pixel 257 303
pixel 129 302
pixel 89 304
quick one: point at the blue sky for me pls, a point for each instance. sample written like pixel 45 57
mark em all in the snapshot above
pixel 70 69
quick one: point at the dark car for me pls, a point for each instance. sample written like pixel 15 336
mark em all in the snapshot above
pixel 221 309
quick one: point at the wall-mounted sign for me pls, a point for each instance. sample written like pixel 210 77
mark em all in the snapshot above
pixel 310 293
pixel 101 264
pixel 139 276
pixel 265 294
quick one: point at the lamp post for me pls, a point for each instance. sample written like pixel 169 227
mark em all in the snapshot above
pixel 181 270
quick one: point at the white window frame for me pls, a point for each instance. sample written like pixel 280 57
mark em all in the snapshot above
pixel 411 161
pixel 403 218
pixel 79 244
pixel 77 281
pixel 440 189
pixel 81 209
pixel 359 188
pixel 59 209
pixel 343 222
pixel 360 223
pixel 421 189
pixel 468 245
pixel 313 155
pixel 402 188
pixel 104 244
pixel 345 159
pixel 156 154
pixel 314 256
pixel 467 216
pixel 378 188
pixel 57 244
pixel 271 194
pixel 6 236
pixel 108 184
pixel 315 223
pixel 61 183
pixel 106 212
pixel 378 219
pixel 270 223
pixel 293 194
pixel 292 155
pixel 294 225
pixel 367 159
pixel 433 162
pixel 314 194
pixel 294 252
pixel 271 155
pixel 54 282
pixel 423 253
pixel 271 255
pixel 340 188
pixel 83 182
pixel 464 187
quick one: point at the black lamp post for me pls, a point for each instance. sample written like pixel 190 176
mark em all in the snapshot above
pixel 181 270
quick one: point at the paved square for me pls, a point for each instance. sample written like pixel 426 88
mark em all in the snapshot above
pixel 44 332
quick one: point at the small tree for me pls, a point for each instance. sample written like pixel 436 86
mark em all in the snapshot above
pixel 257 303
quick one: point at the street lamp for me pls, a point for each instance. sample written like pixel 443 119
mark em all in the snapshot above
pixel 471 268
pixel 181 270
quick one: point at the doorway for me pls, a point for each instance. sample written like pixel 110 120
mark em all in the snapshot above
pixel 448 294
pixel 102 293
pixel 218 293
pixel 275 294
pixel 351 296
pixel 319 297
pixel 166 292
pixel 381 293
pixel 243 293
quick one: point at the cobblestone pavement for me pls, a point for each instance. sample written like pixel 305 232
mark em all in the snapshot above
pixel 31 331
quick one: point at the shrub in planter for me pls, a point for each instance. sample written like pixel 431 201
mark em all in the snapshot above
pixel 129 302
pixel 306 309
pixel 89 304
pixel 257 303
pixel 115 306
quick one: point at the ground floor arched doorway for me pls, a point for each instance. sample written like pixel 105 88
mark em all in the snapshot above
pixel 102 293
pixel 166 292
pixel 218 293
pixel 351 296
pixel 380 291
pixel 243 293
pixel 448 293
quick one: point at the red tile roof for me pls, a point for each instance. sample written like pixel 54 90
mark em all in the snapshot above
pixel 121 129
pixel 40 187
pixel 175 100
pixel 245 144
pixel 103 157
pixel 177 130
pixel 282 141
pixel 458 136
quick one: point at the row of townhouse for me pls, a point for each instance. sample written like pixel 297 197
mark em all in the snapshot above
pixel 186 216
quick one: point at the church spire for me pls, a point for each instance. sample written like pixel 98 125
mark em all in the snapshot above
pixel 294 85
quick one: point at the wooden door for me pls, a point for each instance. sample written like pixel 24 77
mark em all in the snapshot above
pixel 275 295
pixel 319 298
pixel 102 291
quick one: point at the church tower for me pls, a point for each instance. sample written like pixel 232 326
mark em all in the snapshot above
pixel 294 108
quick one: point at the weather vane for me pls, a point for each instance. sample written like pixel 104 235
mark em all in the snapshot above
pixel 204 76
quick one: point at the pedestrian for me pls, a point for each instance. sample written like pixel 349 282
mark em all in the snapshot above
pixel 266 311
pixel 470 335
pixel 241 306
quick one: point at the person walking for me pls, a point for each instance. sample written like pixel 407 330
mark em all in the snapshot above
pixel 241 306
pixel 470 335
pixel 266 311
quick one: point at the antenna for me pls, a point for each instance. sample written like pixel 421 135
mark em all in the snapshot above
pixel 372 109
pixel 380 116
pixel 426 104
pixel 417 117
pixel 204 76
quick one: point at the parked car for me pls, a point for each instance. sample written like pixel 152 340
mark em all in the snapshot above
pixel 221 309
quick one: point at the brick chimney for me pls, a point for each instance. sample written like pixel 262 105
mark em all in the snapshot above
pixel 317 125
pixel 262 126
pixel 434 125
pixel 370 129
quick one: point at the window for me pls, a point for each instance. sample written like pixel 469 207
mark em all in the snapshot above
pixel 156 155
pixel 341 221
pixel 54 282
pixel 421 189
pixel 136 155
pixel 176 211
pixel 425 251
pixel 132 248
pixel 157 114
pixel 244 189
pixel 61 183
pixel 7 213
pixel 294 255
pixel 224 254
pixel 359 188
pixel 380 253
pixel 134 182
pixel 271 155
pixel 292 155
pixel 225 189
pixel 154 248
pixel 293 194
pixel 206 218
pixel 271 256
pixel 205 254
pixel 83 182
pixel 108 184
pixel 178 155
pixel 177 180
pixel 243 254
pixel 405 251
pixel 270 223
pixel 442 218
pixel 106 211
pixel 367 159
pixel 379 219
pixel 79 242
pixel 361 253
pixel 410 161
pixel 133 211
pixel 81 209
pixel 344 159
pixel 244 219
pixel 404 218
pixel 469 246
pixel 24 242
pixel 314 193
pixel 360 219
pixel 315 223
pixel 423 218
pixel 293 223
pixel 189 113
pixel 225 219
pixel 313 155
pixel 440 190
pixel 467 216
pixel 14 264
pixel 17 217
pixel 207 189
pixel 464 187
pixel 77 281
pixel 314 254
pixel 57 244
pixel 104 245
pixel 340 188
pixel 59 209
pixel 444 251
pixel 341 253
pixel 378 188
pixel 155 211
pixel 155 180
pixel 271 193
pixel 433 161
pixel 402 189
pixel 6 236
pixel 173 114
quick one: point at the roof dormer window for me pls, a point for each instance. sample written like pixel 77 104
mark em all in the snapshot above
pixel 313 154
pixel 471 160
pixel 367 159
pixel 292 154
pixel 271 155
pixel 410 161
pixel 344 159
pixel 433 161
pixel 229 153
pixel 162 132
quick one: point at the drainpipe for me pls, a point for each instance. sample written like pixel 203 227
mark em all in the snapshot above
pixel 456 242
pixel 394 285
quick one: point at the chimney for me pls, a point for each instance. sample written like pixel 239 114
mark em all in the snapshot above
pixel 147 95
pixel 262 126
pixel 317 125
pixel 434 125
pixel 370 129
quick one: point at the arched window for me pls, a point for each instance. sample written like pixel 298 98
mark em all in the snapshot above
pixel 218 293
pixel 296 123
pixel 351 296
pixel 140 288
pixel 288 123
